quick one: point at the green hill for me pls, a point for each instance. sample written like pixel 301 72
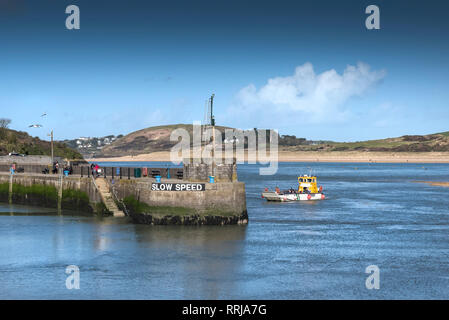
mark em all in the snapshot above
pixel 22 142
pixel 147 140
pixel 155 139
pixel 438 142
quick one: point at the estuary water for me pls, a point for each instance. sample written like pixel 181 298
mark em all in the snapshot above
pixel 374 214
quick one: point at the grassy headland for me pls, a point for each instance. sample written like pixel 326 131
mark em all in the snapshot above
pixel 22 142
pixel 438 142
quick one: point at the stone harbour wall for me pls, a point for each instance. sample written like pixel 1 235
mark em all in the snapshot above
pixel 42 190
pixel 223 172
pixel 229 197
pixel 207 203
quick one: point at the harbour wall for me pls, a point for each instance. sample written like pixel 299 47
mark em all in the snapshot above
pixel 196 170
pixel 224 197
pixel 217 203
pixel 75 193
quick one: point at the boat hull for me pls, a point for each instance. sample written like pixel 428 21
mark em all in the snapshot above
pixel 273 196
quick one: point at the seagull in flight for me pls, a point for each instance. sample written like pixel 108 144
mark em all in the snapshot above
pixel 35 126
pixel 44 114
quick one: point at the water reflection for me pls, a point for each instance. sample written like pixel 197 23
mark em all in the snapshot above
pixel 102 239
pixel 207 255
pixel 15 209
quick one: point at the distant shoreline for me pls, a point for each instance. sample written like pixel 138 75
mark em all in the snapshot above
pixel 312 156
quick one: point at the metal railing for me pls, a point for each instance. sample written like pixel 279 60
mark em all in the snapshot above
pixel 139 172
pixel 114 194
pixel 108 172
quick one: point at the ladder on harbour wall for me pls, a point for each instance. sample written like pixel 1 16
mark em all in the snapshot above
pixel 102 186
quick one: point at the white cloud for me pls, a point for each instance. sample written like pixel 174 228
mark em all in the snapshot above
pixel 305 94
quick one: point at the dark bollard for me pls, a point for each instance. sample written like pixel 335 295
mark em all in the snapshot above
pixel 129 173
pixel 120 173
pixel 82 172
pixel 88 172
pixel 112 174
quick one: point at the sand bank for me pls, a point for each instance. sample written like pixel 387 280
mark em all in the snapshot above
pixel 435 183
pixel 312 156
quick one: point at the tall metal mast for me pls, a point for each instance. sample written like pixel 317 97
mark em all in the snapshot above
pixel 212 118
pixel 212 123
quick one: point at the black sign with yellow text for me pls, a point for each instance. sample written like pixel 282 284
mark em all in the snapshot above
pixel 178 187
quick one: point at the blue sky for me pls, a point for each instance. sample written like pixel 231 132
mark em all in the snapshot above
pixel 306 68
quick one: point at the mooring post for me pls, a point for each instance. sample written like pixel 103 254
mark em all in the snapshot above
pixel 112 173
pixel 120 172
pixel 129 173
pixel 10 188
pixel 82 171
pixel 60 194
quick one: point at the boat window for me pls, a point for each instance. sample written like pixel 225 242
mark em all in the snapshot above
pixel 309 180
pixel 300 179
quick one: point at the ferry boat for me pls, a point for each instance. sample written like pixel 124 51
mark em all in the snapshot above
pixel 307 190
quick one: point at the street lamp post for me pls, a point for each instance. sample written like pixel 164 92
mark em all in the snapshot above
pixel 51 135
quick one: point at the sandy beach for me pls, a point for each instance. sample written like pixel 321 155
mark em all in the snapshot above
pixel 311 156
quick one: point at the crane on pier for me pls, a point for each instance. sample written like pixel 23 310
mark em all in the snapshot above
pixel 209 122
